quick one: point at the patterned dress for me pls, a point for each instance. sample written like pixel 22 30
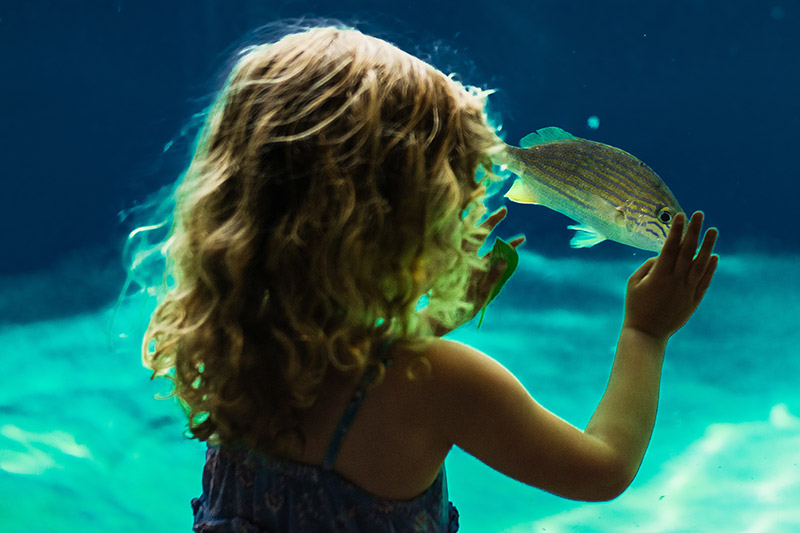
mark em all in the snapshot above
pixel 248 493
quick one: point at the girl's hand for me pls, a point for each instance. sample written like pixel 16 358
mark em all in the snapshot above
pixel 483 282
pixel 665 291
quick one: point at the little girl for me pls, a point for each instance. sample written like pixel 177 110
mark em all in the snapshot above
pixel 332 187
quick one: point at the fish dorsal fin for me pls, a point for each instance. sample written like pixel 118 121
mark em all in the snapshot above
pixel 551 133
pixel 585 237
pixel 522 193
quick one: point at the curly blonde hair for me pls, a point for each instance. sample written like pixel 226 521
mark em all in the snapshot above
pixel 333 185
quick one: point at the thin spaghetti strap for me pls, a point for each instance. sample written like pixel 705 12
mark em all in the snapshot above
pixel 384 350
pixel 352 408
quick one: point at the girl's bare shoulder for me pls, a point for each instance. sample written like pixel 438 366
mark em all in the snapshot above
pixel 453 381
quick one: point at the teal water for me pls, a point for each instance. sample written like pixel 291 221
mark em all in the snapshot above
pixel 85 447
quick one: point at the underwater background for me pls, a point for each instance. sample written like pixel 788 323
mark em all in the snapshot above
pixel 96 106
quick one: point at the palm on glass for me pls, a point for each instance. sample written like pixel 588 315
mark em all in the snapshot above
pixel 666 290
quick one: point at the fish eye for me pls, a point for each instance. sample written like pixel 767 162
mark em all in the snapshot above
pixel 665 216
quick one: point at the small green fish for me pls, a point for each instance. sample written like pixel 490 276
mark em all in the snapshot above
pixel 610 193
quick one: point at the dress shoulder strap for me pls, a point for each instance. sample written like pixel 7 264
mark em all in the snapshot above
pixel 352 408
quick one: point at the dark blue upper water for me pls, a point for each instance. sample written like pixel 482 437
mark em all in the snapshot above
pixel 703 91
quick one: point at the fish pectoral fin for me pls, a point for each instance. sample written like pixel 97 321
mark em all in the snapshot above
pixel 522 193
pixel 620 215
pixel 584 237
pixel 551 133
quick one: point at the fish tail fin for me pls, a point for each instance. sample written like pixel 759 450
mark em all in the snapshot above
pixel 544 135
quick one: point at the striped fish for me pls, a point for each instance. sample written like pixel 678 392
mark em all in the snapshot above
pixel 610 193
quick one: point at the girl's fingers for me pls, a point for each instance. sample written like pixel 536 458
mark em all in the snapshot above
pixel 689 244
pixel 516 242
pixel 494 219
pixel 669 252
pixel 701 262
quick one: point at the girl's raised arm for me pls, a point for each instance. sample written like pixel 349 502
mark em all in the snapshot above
pixel 488 413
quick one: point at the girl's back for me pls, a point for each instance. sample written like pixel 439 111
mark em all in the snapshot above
pixel 393 448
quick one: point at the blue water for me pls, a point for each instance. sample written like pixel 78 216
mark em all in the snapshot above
pixel 92 108
pixel 85 447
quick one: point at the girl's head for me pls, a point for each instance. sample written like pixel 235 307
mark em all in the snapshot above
pixel 333 185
